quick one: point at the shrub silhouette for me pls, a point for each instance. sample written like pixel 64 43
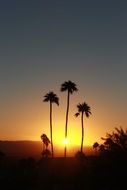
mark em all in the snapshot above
pixel 2 154
pixel 95 146
pixel 80 156
pixel 114 143
pixel 46 153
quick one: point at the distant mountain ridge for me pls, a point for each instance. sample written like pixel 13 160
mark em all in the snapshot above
pixel 21 148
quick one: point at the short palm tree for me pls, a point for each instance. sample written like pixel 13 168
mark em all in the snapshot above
pixel 45 152
pixel 83 108
pixel 70 87
pixel 45 140
pixel 52 98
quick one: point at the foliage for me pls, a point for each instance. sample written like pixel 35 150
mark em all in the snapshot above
pixel 45 140
pixel 80 156
pixel 46 153
pixel 83 108
pixel 52 97
pixel 115 143
pixel 95 145
pixel 69 86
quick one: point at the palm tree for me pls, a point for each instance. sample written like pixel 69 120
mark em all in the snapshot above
pixel 46 153
pixel 52 98
pixel 83 108
pixel 70 87
pixel 45 140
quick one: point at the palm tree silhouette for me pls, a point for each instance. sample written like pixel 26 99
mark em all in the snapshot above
pixel 45 153
pixel 83 108
pixel 45 140
pixel 70 87
pixel 52 98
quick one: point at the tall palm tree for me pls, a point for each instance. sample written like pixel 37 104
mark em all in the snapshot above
pixel 83 108
pixel 52 98
pixel 70 87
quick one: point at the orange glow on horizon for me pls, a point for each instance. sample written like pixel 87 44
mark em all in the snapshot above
pixel 74 133
pixel 73 137
pixel 26 126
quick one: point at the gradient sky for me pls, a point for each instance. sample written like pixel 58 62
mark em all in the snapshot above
pixel 46 42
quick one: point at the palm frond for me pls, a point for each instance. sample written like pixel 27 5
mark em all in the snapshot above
pixel 51 97
pixel 77 114
pixel 84 108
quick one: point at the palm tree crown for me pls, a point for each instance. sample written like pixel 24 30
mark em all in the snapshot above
pixel 70 86
pixel 45 140
pixel 83 108
pixel 51 97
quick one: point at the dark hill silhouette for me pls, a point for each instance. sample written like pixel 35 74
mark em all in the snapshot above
pixel 21 148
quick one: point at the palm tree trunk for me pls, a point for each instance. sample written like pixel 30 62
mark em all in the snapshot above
pixel 51 128
pixel 65 149
pixel 82 132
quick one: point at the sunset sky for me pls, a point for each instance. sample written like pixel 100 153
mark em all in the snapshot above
pixel 46 42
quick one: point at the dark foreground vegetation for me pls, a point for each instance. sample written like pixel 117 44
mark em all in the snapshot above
pixel 106 170
pixel 91 172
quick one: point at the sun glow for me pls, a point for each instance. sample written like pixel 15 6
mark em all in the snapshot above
pixel 66 141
